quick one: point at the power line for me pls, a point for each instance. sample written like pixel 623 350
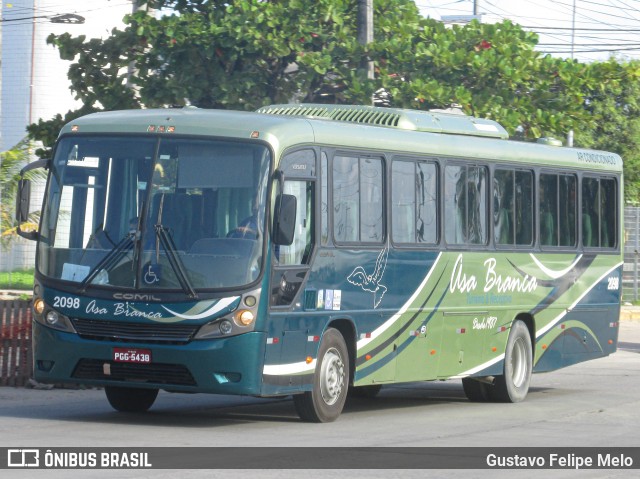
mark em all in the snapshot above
pixel 588 29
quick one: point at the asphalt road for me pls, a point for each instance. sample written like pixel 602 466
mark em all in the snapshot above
pixel 593 404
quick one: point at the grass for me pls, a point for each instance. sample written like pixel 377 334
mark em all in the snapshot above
pixel 21 279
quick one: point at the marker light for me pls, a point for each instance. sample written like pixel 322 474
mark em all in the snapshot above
pixel 244 317
pixel 250 301
pixel 38 306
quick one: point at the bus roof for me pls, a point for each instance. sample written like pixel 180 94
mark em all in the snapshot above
pixel 360 127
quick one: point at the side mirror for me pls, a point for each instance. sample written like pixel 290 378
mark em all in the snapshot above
pixel 284 221
pixel 23 198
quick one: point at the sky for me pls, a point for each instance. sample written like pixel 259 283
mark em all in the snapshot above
pixel 602 27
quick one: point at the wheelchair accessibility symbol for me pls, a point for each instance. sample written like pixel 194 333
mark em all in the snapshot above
pixel 151 274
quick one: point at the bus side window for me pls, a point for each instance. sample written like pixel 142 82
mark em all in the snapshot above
pixel 414 202
pixel 358 199
pixel 513 207
pixel 608 207
pixel 466 207
pixel 567 209
pixel 299 251
pixel 548 210
pixel 590 212
pixel 598 201
pixel 503 207
pixel 524 207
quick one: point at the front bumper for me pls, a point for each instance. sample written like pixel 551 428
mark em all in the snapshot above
pixel 230 365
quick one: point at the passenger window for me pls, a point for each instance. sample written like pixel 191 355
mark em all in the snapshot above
pixel 357 199
pixel 465 202
pixel 557 206
pixel 414 202
pixel 598 224
pixel 513 207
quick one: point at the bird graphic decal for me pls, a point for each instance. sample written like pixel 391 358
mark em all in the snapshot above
pixel 371 282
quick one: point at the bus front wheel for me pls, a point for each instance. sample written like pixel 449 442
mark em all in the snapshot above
pixel 513 385
pixel 325 401
pixel 130 399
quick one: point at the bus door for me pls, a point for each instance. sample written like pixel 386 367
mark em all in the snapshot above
pixel 291 266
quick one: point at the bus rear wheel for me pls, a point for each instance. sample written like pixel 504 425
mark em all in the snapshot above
pixel 325 401
pixel 130 399
pixel 513 385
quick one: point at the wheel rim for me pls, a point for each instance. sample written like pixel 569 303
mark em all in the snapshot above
pixel 331 377
pixel 519 362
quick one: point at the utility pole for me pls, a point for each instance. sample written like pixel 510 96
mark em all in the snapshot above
pixel 132 70
pixel 365 31
pixel 573 29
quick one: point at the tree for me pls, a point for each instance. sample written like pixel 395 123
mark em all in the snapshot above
pixel 614 105
pixel 243 54
pixel 490 70
pixel 11 162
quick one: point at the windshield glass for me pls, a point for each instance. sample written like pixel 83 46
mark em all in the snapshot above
pixel 144 213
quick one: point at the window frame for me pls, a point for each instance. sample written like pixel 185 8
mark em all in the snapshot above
pixel 437 200
pixel 359 155
pixel 533 210
pixel 460 162
pixel 616 209
pixel 577 231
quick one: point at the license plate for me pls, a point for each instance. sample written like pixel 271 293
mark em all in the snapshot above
pixel 127 355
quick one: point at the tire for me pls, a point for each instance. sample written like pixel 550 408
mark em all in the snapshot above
pixel 368 392
pixel 130 399
pixel 513 385
pixel 325 401
pixel 476 391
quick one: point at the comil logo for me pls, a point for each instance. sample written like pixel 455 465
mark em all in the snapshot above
pixel 23 458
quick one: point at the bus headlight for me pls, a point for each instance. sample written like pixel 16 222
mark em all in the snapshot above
pixel 226 327
pixel 215 329
pixel 51 318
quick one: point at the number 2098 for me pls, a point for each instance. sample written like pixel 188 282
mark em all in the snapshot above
pixel 66 302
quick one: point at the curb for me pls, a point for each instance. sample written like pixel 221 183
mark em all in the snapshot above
pixel 630 314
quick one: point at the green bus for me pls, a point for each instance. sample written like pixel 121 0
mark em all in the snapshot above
pixel 316 250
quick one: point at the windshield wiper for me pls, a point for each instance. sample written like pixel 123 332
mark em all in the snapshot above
pixel 175 261
pixel 110 260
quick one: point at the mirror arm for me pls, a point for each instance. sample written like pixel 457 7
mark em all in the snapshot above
pixel 35 165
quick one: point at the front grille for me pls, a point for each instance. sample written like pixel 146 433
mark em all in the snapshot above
pixel 169 374
pixel 139 332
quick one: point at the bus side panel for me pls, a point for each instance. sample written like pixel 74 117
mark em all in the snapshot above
pixel 588 328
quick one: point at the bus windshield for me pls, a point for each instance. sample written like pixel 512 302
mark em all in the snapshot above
pixel 161 214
